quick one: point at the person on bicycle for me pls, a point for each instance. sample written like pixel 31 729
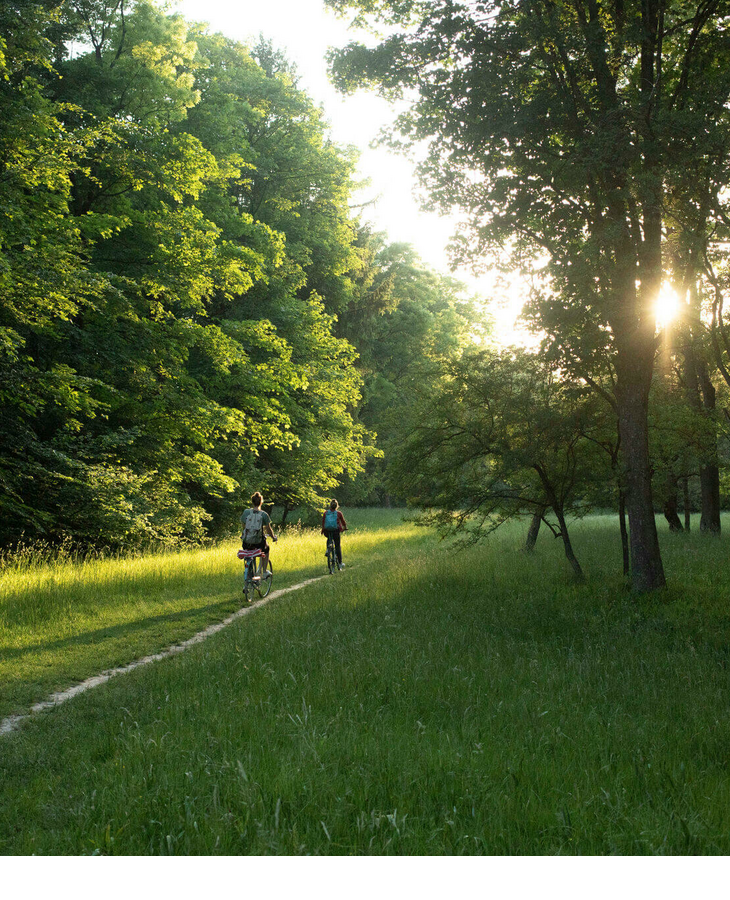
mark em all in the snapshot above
pixel 333 524
pixel 256 524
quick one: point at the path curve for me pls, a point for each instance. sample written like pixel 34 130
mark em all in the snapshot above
pixel 11 723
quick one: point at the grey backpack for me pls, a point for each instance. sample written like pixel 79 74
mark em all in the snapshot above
pixel 253 532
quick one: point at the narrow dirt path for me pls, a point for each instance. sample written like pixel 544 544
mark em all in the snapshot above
pixel 11 723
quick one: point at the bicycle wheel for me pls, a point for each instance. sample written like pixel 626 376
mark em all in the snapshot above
pixel 265 578
pixel 248 584
pixel 331 563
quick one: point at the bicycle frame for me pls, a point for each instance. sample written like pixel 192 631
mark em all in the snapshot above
pixel 251 581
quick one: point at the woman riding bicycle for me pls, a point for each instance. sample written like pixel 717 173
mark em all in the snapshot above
pixel 333 524
pixel 256 524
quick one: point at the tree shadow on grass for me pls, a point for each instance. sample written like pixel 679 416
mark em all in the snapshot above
pixel 123 629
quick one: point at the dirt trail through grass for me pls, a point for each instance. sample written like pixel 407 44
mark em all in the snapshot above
pixel 11 723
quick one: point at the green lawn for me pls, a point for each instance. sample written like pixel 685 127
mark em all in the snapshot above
pixel 422 702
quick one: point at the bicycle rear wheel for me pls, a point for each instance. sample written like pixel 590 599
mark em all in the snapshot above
pixel 331 562
pixel 265 578
pixel 249 587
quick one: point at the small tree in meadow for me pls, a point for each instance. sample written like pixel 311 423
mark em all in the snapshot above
pixel 504 435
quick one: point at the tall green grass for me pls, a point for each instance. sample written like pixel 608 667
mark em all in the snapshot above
pixel 63 620
pixel 423 702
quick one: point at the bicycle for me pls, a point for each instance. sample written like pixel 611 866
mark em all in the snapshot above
pixel 331 556
pixel 255 580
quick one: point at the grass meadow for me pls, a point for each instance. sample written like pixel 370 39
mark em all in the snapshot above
pixel 424 701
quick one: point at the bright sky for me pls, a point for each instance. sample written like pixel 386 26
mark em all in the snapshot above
pixel 305 31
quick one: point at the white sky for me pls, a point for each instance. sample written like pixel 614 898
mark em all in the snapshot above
pixel 305 31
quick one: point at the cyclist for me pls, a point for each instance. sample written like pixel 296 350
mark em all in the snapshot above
pixel 256 524
pixel 333 524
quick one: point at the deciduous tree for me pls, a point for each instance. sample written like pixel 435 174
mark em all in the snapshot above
pixel 551 126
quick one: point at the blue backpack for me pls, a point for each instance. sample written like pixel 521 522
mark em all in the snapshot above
pixel 330 520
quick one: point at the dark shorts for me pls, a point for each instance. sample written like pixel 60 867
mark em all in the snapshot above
pixel 262 546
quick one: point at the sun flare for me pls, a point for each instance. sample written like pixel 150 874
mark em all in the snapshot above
pixel 667 307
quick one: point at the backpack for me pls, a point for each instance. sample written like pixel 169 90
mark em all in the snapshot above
pixel 253 531
pixel 330 520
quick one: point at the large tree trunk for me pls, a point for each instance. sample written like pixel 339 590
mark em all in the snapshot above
pixel 534 529
pixel 636 288
pixel 647 571
pixel 634 323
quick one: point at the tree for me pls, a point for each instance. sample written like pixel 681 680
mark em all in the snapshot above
pixel 404 318
pixel 147 346
pixel 160 345
pixel 292 181
pixel 503 435
pixel 297 181
pixel 551 126
pixel 44 282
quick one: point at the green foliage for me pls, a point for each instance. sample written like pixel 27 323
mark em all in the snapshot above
pixel 502 435
pixel 174 229
pixel 405 320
